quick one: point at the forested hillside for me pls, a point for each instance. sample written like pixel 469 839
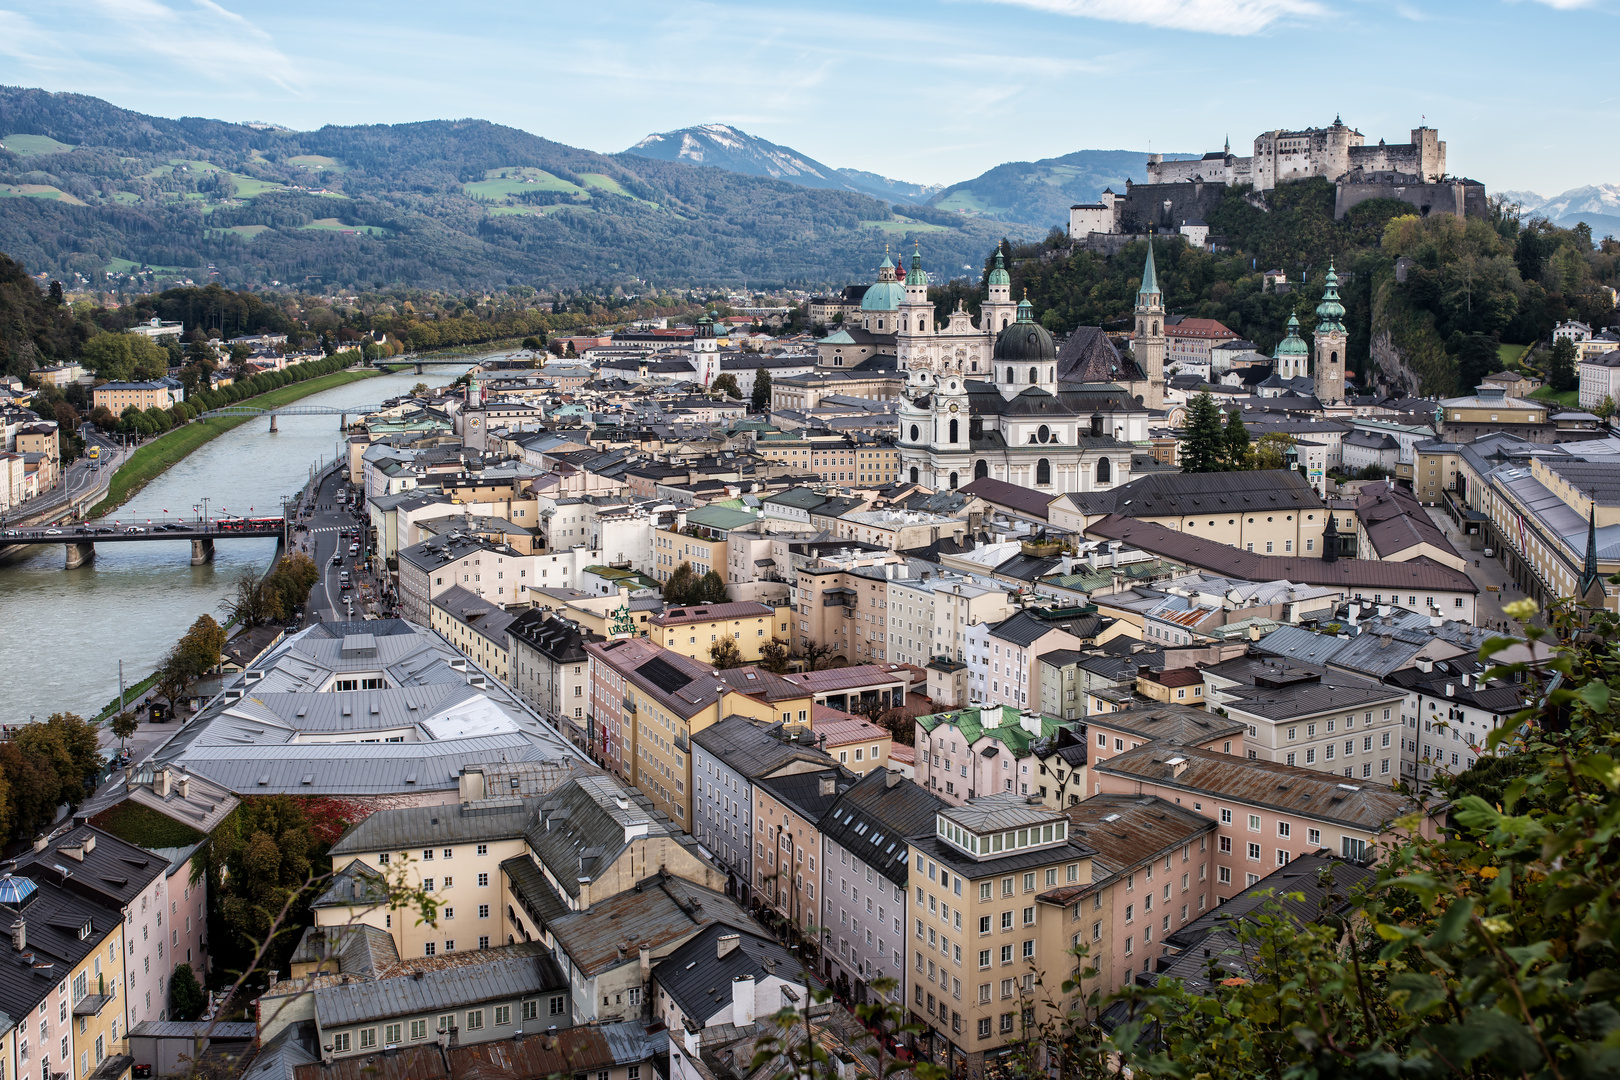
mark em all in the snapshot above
pixel 1472 285
pixel 96 190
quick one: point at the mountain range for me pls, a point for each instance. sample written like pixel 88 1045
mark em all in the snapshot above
pixel 1596 204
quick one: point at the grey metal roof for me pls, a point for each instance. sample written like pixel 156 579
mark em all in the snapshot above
pixel 115 871
pixel 872 820
pixel 659 912
pixel 806 793
pixel 753 748
pixel 1003 810
pixel 447 982
pixel 191 1029
pixel 1181 725
pixel 406 827
pixel 699 980
pixel 581 828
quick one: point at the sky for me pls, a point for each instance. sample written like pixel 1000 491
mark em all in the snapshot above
pixel 929 91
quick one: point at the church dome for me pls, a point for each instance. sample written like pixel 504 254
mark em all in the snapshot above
pixel 1026 339
pixel 1293 344
pixel 998 275
pixel 886 293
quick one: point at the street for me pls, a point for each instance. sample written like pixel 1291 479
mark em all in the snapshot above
pixel 329 528
pixel 1488 575
pixel 80 477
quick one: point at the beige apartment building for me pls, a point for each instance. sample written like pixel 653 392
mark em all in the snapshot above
pixel 980 932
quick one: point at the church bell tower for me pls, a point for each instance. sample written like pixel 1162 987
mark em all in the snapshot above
pixel 1331 340
pixel 1150 344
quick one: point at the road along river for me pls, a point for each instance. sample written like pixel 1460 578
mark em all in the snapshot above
pixel 64 631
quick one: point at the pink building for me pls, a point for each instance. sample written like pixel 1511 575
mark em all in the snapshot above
pixel 1266 813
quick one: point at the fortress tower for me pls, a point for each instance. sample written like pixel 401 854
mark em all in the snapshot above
pixel 1330 343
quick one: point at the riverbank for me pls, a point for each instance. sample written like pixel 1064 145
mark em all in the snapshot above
pixel 156 457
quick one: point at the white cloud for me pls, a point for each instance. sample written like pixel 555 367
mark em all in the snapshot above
pixel 201 37
pixel 1236 17
pixel 1566 5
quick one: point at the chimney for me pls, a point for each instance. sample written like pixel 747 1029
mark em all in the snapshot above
pixel 584 893
pixel 19 934
pixel 827 786
pixel 727 944
pixel 891 779
pixel 742 1000
pixel 160 783
pixel 89 841
pixel 1178 765
pixel 182 786
pixel 644 957
pixel 1385 639
pixel 39 842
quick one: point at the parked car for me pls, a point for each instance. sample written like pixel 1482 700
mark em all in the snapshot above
pixel 53 532
pixel 134 529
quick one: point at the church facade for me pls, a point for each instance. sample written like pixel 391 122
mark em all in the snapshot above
pixel 996 399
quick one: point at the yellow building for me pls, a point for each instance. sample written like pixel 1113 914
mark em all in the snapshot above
pixel 1435 472
pixel 118 396
pixel 647 702
pixel 693 630
pixel 474 626
pixel 982 930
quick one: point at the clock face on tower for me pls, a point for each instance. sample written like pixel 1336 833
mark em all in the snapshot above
pixel 954 406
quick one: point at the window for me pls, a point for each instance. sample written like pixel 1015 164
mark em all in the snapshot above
pixel 483 911
pixel 483 881
pixel 483 849
pixel 503 1015
pixel 418 1029
pixel 475 1020
pixel 1254 822
pixel 555 1006
pixel 1283 829
pixel 340 1043
pixel 368 1038
pixel 1313 836
pixel 1223 875
pixel 1254 852
pixel 1226 817
pixel 1006 920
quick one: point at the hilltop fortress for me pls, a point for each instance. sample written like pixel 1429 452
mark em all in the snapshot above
pixel 1179 195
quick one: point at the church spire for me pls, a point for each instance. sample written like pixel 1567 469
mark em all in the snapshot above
pixel 1330 312
pixel 1150 277
pixel 916 276
pixel 1589 571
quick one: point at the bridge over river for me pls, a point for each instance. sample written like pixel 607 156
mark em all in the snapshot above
pixel 79 541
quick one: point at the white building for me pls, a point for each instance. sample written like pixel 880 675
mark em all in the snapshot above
pixel 1600 378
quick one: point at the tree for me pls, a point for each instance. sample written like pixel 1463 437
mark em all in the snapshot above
pixel 54 295
pixel 1271 451
pixel 1236 456
pixel 124 726
pixel 761 399
pixel 69 748
pixel 711 589
pixel 1605 408
pixel 773 656
pixel 724 653
pixel 1203 443
pixel 186 998
pixel 1478 357
pixel 1561 374
pixel 816 655
pixel 262 856
pixel 534 345
pixel 727 384
pixel 419 390
pixel 682 583
pixel 255 602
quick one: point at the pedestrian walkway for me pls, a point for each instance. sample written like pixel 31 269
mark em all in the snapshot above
pixel 1496 587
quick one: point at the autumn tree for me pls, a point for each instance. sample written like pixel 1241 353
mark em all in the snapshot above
pixel 124 726
pixel 66 747
pixel 727 384
pixel 1271 452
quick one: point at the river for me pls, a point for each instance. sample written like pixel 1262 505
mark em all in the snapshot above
pixel 66 630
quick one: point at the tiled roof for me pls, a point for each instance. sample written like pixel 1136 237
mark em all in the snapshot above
pixel 681 616
pixel 1126 830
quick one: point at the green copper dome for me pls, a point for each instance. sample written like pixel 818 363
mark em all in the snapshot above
pixel 999 275
pixel 916 277
pixel 1293 344
pixel 1330 313
pixel 883 296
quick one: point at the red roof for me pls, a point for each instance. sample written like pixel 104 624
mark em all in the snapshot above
pixel 1199 328
pixel 697 613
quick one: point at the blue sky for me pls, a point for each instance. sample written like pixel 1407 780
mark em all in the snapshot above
pixel 924 91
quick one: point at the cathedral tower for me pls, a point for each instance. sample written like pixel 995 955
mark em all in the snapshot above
pixel 1292 359
pixel 1330 343
pixel 1150 345
pixel 916 315
pixel 705 351
pixel 997 312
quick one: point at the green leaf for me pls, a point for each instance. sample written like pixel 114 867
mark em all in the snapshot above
pixel 1596 694
pixel 1452 923
pixel 1563 900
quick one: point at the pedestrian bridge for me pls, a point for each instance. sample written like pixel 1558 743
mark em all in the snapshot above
pixel 342 412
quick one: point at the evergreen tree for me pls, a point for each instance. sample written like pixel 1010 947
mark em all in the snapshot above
pixel 1561 374
pixel 1203 443
pixel 761 400
pixel 711 589
pixel 1237 456
pixel 681 585
pixel 185 995
pixel 1478 357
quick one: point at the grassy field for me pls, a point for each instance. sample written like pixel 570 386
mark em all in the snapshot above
pixel 37 191
pixel 1509 354
pixel 1569 399
pixel 246 232
pixel 904 226
pixel 151 460
pixel 501 184
pixel 29 145
pixel 247 187
pixel 333 223
pixel 317 162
